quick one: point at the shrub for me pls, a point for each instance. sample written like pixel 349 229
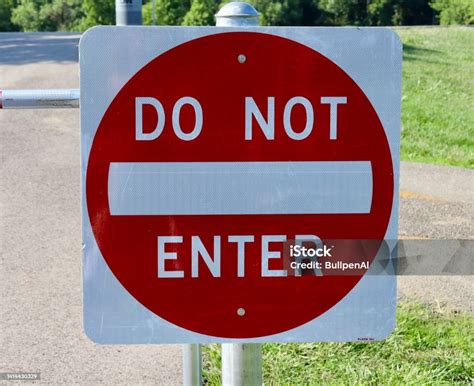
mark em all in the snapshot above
pixel 455 11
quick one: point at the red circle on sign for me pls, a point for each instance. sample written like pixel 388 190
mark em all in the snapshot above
pixel 209 70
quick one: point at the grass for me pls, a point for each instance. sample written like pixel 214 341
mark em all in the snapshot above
pixel 438 95
pixel 428 346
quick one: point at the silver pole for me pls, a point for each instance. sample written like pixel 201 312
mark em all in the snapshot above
pixel 192 365
pixel 237 14
pixel 39 99
pixel 241 363
pixel 154 11
pixel 128 12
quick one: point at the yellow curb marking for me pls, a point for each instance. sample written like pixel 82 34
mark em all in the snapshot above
pixel 425 197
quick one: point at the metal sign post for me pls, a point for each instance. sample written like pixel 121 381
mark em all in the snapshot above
pixel 192 365
pixel 241 363
pixel 128 12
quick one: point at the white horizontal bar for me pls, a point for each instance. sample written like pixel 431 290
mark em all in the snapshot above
pixel 200 188
pixel 39 99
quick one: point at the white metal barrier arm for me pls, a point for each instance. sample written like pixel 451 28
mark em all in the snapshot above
pixel 39 99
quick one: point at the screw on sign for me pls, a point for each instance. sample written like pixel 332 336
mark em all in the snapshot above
pixel 201 172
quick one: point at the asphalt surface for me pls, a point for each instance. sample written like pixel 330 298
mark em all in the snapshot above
pixel 437 202
pixel 40 232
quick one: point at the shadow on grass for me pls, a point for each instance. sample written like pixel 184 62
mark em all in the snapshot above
pixel 412 53
pixel 25 48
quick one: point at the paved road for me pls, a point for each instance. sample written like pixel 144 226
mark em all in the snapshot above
pixel 40 232
pixel 437 202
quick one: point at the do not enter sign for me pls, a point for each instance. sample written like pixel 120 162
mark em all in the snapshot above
pixel 210 157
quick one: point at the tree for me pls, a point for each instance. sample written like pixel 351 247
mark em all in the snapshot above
pixel 399 12
pixel 6 7
pixel 168 12
pixel 311 14
pixel 454 11
pixel 345 12
pixel 97 13
pixel 280 13
pixel 412 12
pixel 61 15
pixel 201 13
pixel 147 13
pixel 47 15
pixel 26 16
pixel 380 12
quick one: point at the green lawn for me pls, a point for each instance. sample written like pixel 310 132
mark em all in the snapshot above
pixel 438 95
pixel 428 346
